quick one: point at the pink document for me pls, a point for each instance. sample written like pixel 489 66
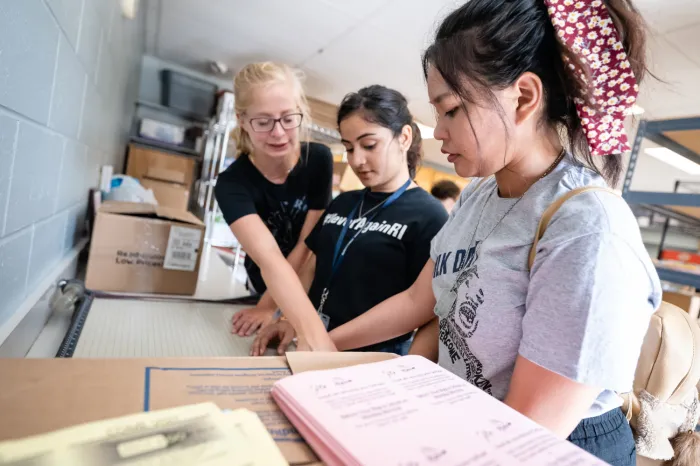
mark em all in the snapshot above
pixel 411 412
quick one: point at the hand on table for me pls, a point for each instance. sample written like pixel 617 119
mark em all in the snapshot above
pixel 247 321
pixel 282 331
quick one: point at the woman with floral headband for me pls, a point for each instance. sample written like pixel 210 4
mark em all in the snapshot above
pixel 534 93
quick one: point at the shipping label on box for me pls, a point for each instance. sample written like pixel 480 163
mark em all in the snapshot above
pixel 183 246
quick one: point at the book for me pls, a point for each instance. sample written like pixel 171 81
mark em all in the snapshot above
pixel 411 412
pixel 197 434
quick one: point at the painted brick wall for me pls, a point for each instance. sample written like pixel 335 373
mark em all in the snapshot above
pixel 69 72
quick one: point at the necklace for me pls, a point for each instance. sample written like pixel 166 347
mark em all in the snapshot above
pixel 448 299
pixel 362 204
pixel 554 164
pixel 546 172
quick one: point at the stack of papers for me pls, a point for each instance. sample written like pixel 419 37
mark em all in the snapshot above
pixel 409 411
pixel 190 435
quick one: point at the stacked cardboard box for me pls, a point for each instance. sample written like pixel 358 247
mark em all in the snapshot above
pixel 142 248
pixel 170 176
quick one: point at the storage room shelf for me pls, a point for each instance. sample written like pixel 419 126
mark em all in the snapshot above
pixel 678 276
pixel 681 136
pixel 174 111
pixel 165 146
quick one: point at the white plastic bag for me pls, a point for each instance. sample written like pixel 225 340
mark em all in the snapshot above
pixel 128 189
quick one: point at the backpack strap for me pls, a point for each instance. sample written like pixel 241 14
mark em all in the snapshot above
pixel 552 209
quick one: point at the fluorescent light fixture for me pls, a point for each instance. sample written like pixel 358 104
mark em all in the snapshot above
pixel 674 159
pixel 130 8
pixel 634 110
pixel 426 132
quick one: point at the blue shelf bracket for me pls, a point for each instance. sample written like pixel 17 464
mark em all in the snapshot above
pixel 654 131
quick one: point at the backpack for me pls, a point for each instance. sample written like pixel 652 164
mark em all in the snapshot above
pixel 663 407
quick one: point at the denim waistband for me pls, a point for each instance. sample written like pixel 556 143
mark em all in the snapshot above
pixel 599 425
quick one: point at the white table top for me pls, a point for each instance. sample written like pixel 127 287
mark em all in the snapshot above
pixel 117 328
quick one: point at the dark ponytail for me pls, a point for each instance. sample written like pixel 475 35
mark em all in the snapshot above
pixel 414 154
pixel 388 108
pixel 492 43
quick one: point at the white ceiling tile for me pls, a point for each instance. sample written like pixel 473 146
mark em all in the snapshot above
pixel 359 9
pixel 665 60
pixel 355 61
pixel 666 15
pixel 291 29
pixel 676 96
pixel 413 22
pixel 687 41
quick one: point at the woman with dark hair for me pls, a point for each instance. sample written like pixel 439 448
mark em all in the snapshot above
pixel 531 96
pixel 370 244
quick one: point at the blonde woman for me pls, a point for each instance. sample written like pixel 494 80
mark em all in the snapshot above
pixel 273 195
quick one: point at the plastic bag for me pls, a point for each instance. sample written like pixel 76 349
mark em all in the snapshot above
pixel 128 189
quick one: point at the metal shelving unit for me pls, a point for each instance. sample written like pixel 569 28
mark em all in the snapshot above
pixel 682 136
pixel 180 150
pixel 174 111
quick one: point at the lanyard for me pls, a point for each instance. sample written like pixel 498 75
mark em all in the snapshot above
pixel 340 250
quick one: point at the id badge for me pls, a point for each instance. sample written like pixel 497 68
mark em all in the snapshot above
pixel 325 319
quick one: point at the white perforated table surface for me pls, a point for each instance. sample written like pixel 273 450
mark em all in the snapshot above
pixel 118 328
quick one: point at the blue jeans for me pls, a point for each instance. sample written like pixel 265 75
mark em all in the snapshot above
pixel 608 437
pixel 398 348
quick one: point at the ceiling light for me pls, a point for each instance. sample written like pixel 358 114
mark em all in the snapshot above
pixel 674 159
pixel 426 132
pixel 130 8
pixel 634 110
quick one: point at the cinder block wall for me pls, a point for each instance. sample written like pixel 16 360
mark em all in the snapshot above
pixel 69 73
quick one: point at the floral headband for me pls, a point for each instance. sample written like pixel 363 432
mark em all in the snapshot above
pixel 587 30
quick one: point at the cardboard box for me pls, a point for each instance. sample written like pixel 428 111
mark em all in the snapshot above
pixel 142 161
pixel 41 395
pixel 143 248
pixel 163 174
pixel 168 194
pixel 689 302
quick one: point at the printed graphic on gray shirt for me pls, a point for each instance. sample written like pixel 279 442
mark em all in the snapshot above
pixel 456 337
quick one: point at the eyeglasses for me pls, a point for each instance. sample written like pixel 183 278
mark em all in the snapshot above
pixel 265 125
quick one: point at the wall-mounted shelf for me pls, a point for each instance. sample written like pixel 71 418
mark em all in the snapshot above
pixel 681 136
pixel 174 111
pixel 678 276
pixel 164 146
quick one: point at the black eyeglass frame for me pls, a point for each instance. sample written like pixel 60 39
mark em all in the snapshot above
pixel 277 120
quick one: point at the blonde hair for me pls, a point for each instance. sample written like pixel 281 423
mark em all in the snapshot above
pixel 262 74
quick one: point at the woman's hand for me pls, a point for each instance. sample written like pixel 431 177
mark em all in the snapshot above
pixel 325 344
pixel 247 321
pixel 282 331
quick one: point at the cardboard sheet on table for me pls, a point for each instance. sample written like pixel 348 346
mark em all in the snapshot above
pixel 41 395
pixel 304 361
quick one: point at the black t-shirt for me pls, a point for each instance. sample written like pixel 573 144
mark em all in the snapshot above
pixel 382 261
pixel 242 190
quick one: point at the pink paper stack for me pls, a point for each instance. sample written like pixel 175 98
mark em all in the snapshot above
pixel 411 412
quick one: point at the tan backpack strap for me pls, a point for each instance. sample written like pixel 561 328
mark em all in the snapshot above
pixel 551 210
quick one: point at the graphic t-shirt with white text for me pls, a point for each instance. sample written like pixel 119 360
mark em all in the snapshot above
pixel 384 260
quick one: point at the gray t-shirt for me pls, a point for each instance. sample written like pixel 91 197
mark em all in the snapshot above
pixel 581 312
